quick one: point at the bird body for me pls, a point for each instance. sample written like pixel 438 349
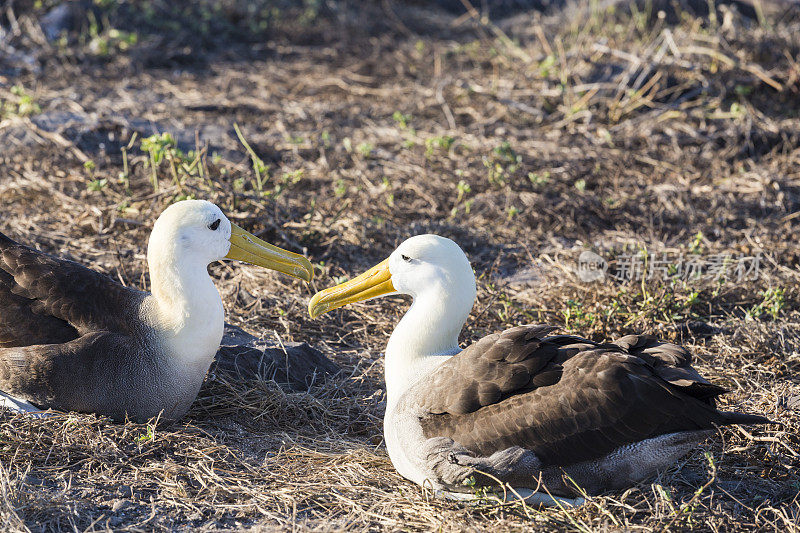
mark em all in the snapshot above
pixel 523 407
pixel 74 339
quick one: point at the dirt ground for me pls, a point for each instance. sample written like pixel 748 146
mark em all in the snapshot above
pixel 529 132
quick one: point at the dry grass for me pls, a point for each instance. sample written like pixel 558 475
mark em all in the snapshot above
pixel 609 128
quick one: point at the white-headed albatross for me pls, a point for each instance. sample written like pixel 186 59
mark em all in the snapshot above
pixel 74 339
pixel 522 407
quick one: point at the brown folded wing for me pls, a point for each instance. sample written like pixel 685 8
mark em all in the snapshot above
pixel 84 374
pixel 44 299
pixel 566 398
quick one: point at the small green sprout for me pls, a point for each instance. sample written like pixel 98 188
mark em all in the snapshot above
pixel 97 185
pixel 772 303
pixel 365 149
pixel 401 119
pixel 259 167
pixel 463 189
pixel 696 246
pixel 443 142
pixel 24 107
pixel 149 435
pixel 539 179
pixel 545 65
pixel 340 188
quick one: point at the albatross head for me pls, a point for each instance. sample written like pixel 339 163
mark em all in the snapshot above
pixel 195 232
pixel 427 267
pixel 186 309
pixel 437 275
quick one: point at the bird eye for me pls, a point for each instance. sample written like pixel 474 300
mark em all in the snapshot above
pixel 406 258
pixel 214 225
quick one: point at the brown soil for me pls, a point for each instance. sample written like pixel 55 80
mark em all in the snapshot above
pixel 527 136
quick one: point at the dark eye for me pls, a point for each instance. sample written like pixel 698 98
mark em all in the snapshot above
pixel 406 258
pixel 214 225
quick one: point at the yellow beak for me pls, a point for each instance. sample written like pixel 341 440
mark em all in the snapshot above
pixel 377 281
pixel 248 248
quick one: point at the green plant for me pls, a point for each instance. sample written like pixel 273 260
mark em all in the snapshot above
pixel 545 65
pixel 259 167
pixel 156 146
pixel 401 119
pixel 124 176
pixel 387 186
pixel 502 164
pixel 365 149
pixel 442 142
pixel 772 302
pixel 576 317
pixel 286 180
pixel 24 106
pixel 340 189
pixel 325 136
pixel 103 42
pixel 463 189
pixel 539 179
pixel 123 205
pixel 97 185
pixel 696 246
pixel 149 435
pixel 160 148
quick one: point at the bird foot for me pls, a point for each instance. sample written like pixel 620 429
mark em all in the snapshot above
pixel 461 458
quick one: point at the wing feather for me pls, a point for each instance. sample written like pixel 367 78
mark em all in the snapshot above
pixel 47 300
pixel 566 398
pixel 95 373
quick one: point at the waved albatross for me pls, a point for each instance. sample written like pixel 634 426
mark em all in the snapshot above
pixel 76 340
pixel 522 407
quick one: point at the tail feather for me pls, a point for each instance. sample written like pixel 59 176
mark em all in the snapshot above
pixel 744 418
pixel 5 239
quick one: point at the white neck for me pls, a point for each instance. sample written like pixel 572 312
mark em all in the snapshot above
pixel 426 336
pixel 189 313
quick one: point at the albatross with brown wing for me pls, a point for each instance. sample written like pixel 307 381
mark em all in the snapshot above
pixel 524 408
pixel 74 339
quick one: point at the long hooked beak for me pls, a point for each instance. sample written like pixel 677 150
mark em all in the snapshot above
pixel 248 248
pixel 377 281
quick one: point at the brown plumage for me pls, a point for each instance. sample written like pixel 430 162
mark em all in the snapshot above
pixel 66 335
pixel 47 300
pixel 522 407
pixel 74 339
pixel 566 398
